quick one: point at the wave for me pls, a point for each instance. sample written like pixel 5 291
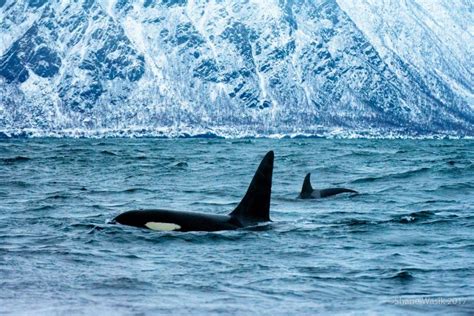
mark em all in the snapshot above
pixel 13 160
pixel 402 276
pixel 399 175
pixel 108 153
pixel 457 187
pixel 414 217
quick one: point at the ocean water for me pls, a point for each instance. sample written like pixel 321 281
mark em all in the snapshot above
pixel 404 244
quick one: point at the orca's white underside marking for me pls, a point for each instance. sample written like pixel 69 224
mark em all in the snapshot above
pixel 162 226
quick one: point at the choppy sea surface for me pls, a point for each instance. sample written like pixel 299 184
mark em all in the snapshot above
pixel 405 244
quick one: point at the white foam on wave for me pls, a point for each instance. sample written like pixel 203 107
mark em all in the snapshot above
pixel 226 133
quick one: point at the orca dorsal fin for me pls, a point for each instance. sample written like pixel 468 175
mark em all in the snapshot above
pixel 255 205
pixel 307 189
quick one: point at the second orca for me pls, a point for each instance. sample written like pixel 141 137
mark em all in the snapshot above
pixel 307 191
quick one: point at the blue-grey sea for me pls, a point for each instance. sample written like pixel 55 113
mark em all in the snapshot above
pixel 405 244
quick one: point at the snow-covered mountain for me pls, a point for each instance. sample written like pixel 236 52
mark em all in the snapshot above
pixel 237 68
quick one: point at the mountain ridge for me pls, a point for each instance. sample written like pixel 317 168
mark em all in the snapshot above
pixel 233 69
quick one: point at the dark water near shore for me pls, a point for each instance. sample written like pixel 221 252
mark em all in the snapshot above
pixel 405 244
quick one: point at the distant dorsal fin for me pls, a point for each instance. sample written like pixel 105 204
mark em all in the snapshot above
pixel 255 205
pixel 307 189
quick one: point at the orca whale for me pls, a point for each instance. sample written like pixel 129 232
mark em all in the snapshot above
pixel 307 191
pixel 254 208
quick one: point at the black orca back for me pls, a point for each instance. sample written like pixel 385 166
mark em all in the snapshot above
pixel 307 189
pixel 179 221
pixel 333 191
pixel 255 205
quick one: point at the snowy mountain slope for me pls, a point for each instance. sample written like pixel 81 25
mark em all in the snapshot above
pixel 236 68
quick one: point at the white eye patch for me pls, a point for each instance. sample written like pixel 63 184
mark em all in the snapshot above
pixel 162 226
